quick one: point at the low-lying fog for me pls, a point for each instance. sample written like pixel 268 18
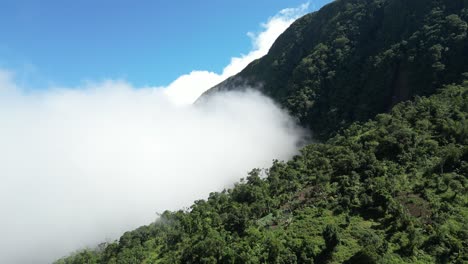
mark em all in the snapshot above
pixel 82 166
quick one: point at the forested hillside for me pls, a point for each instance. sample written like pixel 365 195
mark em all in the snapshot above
pixel 383 84
pixel 392 190
pixel 356 58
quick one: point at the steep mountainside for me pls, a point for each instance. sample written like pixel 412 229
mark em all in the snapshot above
pixel 393 189
pixel 356 58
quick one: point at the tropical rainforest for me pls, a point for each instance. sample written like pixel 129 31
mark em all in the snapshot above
pixel 383 87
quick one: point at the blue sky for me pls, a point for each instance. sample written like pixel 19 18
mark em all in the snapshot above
pixel 150 43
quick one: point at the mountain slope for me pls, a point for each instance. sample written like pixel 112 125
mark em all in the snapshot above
pixel 356 58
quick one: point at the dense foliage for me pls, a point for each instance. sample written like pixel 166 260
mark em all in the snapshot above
pixel 392 190
pixel 354 59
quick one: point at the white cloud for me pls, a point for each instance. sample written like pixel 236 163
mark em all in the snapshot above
pixel 187 88
pixel 82 165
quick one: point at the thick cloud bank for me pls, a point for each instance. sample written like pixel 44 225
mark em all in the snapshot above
pixel 79 166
